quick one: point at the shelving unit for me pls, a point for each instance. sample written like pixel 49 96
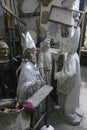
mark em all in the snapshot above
pixel 84 30
pixel 82 50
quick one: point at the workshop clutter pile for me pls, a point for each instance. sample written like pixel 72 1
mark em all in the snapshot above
pixel 11 105
pixel 47 56
pixel 7 105
pixel 13 115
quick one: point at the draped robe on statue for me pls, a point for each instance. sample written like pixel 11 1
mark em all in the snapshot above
pixel 69 82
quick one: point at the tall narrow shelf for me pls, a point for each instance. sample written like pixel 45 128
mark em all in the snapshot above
pixel 83 51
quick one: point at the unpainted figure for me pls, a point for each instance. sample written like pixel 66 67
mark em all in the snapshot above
pixel 45 60
pixel 30 79
pixel 69 82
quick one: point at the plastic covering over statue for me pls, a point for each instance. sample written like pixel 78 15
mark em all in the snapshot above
pixel 29 80
pixel 69 82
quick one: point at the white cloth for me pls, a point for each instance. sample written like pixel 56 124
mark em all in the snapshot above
pixel 30 81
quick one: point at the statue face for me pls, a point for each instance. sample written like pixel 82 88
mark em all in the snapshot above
pixel 47 45
pixel 33 55
pixel 4 50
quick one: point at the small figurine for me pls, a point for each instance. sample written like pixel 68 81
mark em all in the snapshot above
pixel 30 79
pixel 45 60
pixel 69 82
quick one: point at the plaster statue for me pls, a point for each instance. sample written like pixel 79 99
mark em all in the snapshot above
pixel 30 79
pixel 7 76
pixel 69 82
pixel 4 52
pixel 45 60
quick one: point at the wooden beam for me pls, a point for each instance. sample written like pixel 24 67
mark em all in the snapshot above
pixel 12 13
pixel 40 95
pixel 30 14
pixel 34 13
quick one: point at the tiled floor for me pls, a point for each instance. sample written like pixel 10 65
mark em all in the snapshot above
pixel 60 124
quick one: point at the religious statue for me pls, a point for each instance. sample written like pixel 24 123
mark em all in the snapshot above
pixel 29 80
pixel 69 82
pixel 8 80
pixel 45 60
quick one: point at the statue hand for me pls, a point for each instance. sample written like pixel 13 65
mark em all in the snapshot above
pixel 38 83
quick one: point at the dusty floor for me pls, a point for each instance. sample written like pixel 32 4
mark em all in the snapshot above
pixel 60 124
pixel 83 105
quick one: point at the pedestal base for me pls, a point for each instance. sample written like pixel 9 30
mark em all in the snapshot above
pixel 72 119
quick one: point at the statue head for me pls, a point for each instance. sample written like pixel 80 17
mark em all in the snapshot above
pixel 42 34
pixel 4 51
pixel 30 54
pixel 45 45
pixel 29 47
pixel 73 41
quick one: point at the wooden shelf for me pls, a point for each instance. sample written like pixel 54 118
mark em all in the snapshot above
pixel 83 51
